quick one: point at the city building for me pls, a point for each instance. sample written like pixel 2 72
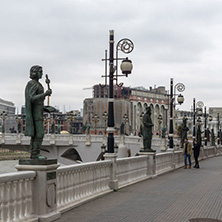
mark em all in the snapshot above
pixel 129 106
pixel 7 106
pixel 7 111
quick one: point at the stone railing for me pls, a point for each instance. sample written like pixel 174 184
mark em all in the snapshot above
pixel 16 196
pixel 131 170
pixel 78 183
pixel 75 184
pixel 165 162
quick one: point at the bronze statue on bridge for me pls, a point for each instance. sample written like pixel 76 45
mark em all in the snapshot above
pixel 34 103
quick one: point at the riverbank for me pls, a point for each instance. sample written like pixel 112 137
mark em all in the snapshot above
pixel 13 155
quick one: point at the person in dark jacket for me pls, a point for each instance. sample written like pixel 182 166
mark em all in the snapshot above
pixel 196 150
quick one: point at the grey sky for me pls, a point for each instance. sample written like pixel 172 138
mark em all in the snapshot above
pixel 172 38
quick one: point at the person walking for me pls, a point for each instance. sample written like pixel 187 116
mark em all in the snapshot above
pixel 187 151
pixel 196 152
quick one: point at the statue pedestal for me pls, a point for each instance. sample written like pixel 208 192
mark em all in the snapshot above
pixel 122 150
pixel 163 142
pixel 44 187
pixel 88 140
pixel 113 184
pixel 151 167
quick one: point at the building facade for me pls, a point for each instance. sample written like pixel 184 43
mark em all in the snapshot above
pixel 8 108
pixel 128 102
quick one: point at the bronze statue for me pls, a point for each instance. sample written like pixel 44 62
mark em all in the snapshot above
pixel 122 129
pixel 19 127
pixel 164 132
pixel 212 137
pixel 88 126
pixel 184 129
pixel 34 103
pixel 147 131
pixel 53 127
pixel 208 134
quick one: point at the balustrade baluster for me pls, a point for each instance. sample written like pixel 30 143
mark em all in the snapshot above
pixel 29 196
pixel 4 203
pixel 21 190
pixel 11 201
pixel 1 200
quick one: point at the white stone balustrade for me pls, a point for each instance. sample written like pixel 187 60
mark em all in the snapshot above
pixel 16 196
pixel 164 162
pixel 131 170
pixel 178 159
pixel 78 183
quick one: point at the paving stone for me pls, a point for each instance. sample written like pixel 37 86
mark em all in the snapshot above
pixel 180 196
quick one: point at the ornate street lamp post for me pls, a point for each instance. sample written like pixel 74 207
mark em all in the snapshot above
pixel 3 117
pixel 205 124
pixel 19 121
pixel 95 119
pixel 196 111
pixel 58 120
pixel 105 117
pixel 71 119
pixel 125 120
pixel 160 118
pixel 47 119
pixel 126 46
pixel 180 99
pixel 218 128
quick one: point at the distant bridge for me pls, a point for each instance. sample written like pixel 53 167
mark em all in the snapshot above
pixel 84 148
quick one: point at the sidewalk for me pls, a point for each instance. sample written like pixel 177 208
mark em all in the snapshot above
pixel 173 197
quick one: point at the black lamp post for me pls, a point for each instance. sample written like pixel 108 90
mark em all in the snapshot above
pixel 160 118
pixel 71 118
pixel 180 99
pixel 196 111
pixel 205 124
pixel 218 128
pixel 125 120
pixel 58 120
pixel 105 116
pixel 19 122
pixel 126 46
pixel 95 119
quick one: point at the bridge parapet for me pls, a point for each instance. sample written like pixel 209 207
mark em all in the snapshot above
pixel 80 183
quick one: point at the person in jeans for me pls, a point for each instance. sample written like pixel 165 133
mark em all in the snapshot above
pixel 187 151
pixel 196 151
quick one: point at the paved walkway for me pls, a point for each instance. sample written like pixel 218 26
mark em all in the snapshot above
pixel 173 197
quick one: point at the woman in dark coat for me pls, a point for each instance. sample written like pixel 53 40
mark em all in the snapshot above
pixel 196 150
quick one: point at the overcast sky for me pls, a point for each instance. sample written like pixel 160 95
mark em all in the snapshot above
pixel 181 39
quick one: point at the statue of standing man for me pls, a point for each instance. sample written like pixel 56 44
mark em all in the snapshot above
pixel 147 131
pixel 184 129
pixel 34 104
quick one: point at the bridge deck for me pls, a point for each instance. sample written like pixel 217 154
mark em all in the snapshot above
pixel 175 197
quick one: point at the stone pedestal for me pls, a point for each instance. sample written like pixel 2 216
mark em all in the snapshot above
pixel 113 184
pixel 122 150
pixel 151 166
pixel 141 144
pixel 88 140
pixel 18 139
pixel 52 139
pixel 44 187
pixel 3 139
pixel 163 144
